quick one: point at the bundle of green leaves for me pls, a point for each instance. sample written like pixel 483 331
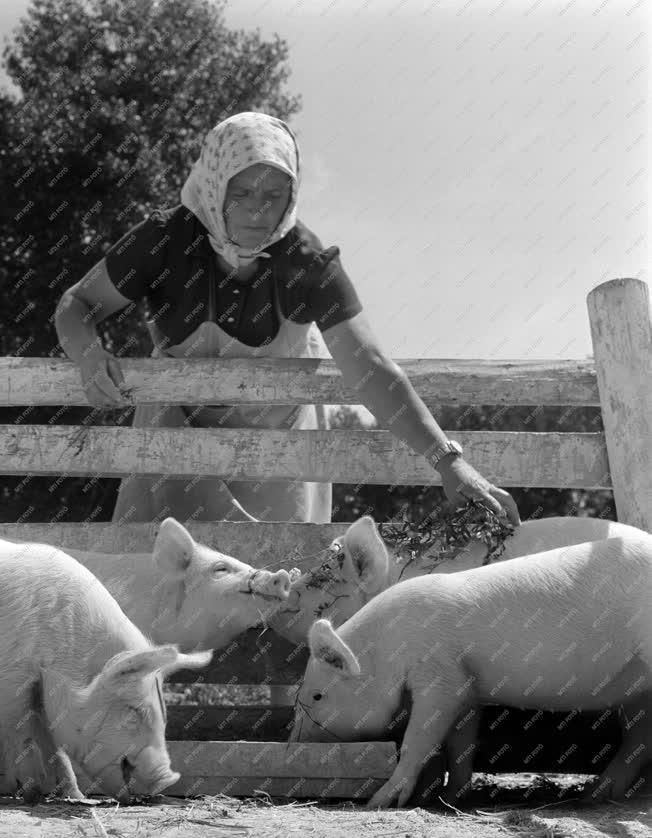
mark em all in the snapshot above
pixel 443 533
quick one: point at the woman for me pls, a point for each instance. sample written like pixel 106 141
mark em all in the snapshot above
pixel 231 272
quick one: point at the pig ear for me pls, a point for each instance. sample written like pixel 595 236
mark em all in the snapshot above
pixel 126 667
pixel 174 547
pixel 192 660
pixel 366 554
pixel 328 647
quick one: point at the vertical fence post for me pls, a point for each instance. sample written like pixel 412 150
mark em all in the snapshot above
pixel 619 314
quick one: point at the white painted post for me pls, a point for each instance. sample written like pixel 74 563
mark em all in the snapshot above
pixel 619 314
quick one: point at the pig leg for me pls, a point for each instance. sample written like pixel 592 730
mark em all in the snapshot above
pixel 33 762
pixel 58 777
pixel 424 735
pixel 460 748
pixel 27 751
pixel 430 785
pixel 622 777
pixel 66 781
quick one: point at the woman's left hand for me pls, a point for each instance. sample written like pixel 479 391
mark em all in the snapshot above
pixel 461 482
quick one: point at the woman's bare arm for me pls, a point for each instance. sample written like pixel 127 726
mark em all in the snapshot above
pixel 82 307
pixel 387 392
pixel 383 386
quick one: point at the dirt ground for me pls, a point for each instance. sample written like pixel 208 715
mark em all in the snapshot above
pixel 522 806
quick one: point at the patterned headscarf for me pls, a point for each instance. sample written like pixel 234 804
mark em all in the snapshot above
pixel 240 141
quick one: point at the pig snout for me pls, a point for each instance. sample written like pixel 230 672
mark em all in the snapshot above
pixel 150 775
pixel 276 585
pixel 156 784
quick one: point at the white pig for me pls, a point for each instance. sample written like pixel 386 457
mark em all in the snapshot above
pixel 185 592
pixel 559 630
pixel 78 680
pixel 349 579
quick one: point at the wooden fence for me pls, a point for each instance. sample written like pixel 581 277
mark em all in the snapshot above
pixel 202 739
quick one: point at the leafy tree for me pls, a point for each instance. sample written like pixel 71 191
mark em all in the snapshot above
pixel 114 101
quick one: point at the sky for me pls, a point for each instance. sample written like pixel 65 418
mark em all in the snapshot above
pixel 481 164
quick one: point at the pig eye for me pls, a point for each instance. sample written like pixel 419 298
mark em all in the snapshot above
pixel 219 568
pixel 316 696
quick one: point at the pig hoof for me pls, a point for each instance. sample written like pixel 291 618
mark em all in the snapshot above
pixel 31 787
pixel 32 794
pixel 387 794
pixel 381 799
pixel 68 791
pixel 65 781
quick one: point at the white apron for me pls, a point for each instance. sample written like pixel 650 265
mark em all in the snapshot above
pixel 152 498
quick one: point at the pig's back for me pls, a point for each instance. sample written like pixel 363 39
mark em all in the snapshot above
pixel 544 534
pixel 617 563
pixel 53 610
pixel 547 625
pixel 46 572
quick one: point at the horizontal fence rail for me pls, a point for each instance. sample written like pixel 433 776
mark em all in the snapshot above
pixel 283 543
pixel 331 770
pixel 561 460
pixel 56 381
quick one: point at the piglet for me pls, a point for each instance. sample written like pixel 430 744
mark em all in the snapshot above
pixel 187 593
pixel 78 681
pixel 560 630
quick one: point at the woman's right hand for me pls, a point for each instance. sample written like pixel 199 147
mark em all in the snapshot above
pixel 102 379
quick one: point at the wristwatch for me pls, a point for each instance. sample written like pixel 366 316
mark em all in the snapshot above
pixel 449 447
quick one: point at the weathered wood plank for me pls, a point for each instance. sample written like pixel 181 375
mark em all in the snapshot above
pixel 277 544
pixel 352 770
pixel 565 460
pixel 269 545
pixel 292 787
pixel 619 312
pixel 56 381
pixel 283 759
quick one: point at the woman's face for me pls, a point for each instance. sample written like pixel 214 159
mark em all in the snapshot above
pixel 255 202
